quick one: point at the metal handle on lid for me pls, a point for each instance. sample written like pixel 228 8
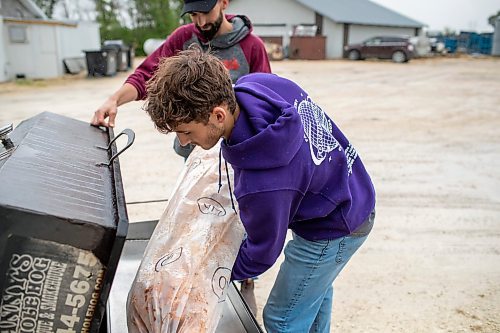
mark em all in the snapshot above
pixel 6 142
pixel 4 131
pixel 131 137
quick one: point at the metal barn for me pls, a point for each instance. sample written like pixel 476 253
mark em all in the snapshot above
pixel 330 23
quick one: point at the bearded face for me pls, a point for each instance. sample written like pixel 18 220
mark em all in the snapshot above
pixel 209 30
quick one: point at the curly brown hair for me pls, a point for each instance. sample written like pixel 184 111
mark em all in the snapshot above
pixel 186 87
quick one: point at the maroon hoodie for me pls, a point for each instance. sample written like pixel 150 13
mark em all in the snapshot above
pixel 241 51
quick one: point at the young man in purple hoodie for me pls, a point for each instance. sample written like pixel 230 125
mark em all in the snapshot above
pixel 293 169
pixel 229 37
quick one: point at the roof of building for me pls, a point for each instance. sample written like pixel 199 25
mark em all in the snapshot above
pixel 362 12
pixel 32 6
pixel 29 6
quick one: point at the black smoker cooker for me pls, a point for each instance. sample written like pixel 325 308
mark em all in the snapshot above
pixel 63 226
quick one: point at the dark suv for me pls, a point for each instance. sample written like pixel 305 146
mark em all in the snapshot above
pixel 399 49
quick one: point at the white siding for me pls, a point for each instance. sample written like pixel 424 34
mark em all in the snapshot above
pixel 47 45
pixel 47 61
pixel 37 58
pixel 21 56
pixel 3 56
pixel 335 38
pixel 274 31
pixel 272 11
pixel 74 40
pixel 358 33
pixel 287 12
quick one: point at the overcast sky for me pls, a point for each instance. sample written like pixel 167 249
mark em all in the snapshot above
pixel 466 15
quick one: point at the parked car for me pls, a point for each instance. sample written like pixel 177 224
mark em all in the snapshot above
pixel 399 49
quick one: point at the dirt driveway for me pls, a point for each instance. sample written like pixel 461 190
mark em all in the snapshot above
pixel 429 134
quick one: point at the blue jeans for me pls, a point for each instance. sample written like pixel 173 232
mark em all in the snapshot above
pixel 302 295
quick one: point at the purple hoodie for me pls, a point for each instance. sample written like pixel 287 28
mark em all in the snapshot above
pixel 293 168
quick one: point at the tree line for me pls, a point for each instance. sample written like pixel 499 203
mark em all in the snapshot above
pixel 133 21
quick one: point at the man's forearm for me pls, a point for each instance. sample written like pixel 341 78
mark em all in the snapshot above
pixel 127 93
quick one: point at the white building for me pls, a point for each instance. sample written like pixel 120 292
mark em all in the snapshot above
pixel 338 22
pixel 34 47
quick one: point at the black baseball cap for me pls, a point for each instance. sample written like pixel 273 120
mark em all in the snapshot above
pixel 202 6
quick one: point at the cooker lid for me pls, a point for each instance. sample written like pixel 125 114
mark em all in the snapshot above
pixel 62 167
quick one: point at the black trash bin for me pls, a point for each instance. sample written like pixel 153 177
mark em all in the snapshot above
pixel 122 51
pixel 130 57
pixel 101 62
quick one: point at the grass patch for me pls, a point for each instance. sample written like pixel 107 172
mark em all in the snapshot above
pixel 30 83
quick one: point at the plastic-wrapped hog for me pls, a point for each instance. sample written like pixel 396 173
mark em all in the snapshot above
pixel 186 267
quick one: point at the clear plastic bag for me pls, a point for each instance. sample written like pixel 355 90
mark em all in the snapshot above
pixel 186 268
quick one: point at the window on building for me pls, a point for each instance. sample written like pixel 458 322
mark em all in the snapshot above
pixel 18 34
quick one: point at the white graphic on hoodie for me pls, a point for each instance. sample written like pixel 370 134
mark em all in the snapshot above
pixel 317 130
pixel 351 154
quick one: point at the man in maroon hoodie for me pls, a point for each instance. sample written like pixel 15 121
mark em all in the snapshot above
pixel 229 37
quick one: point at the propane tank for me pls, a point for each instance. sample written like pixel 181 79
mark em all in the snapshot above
pixel 151 44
